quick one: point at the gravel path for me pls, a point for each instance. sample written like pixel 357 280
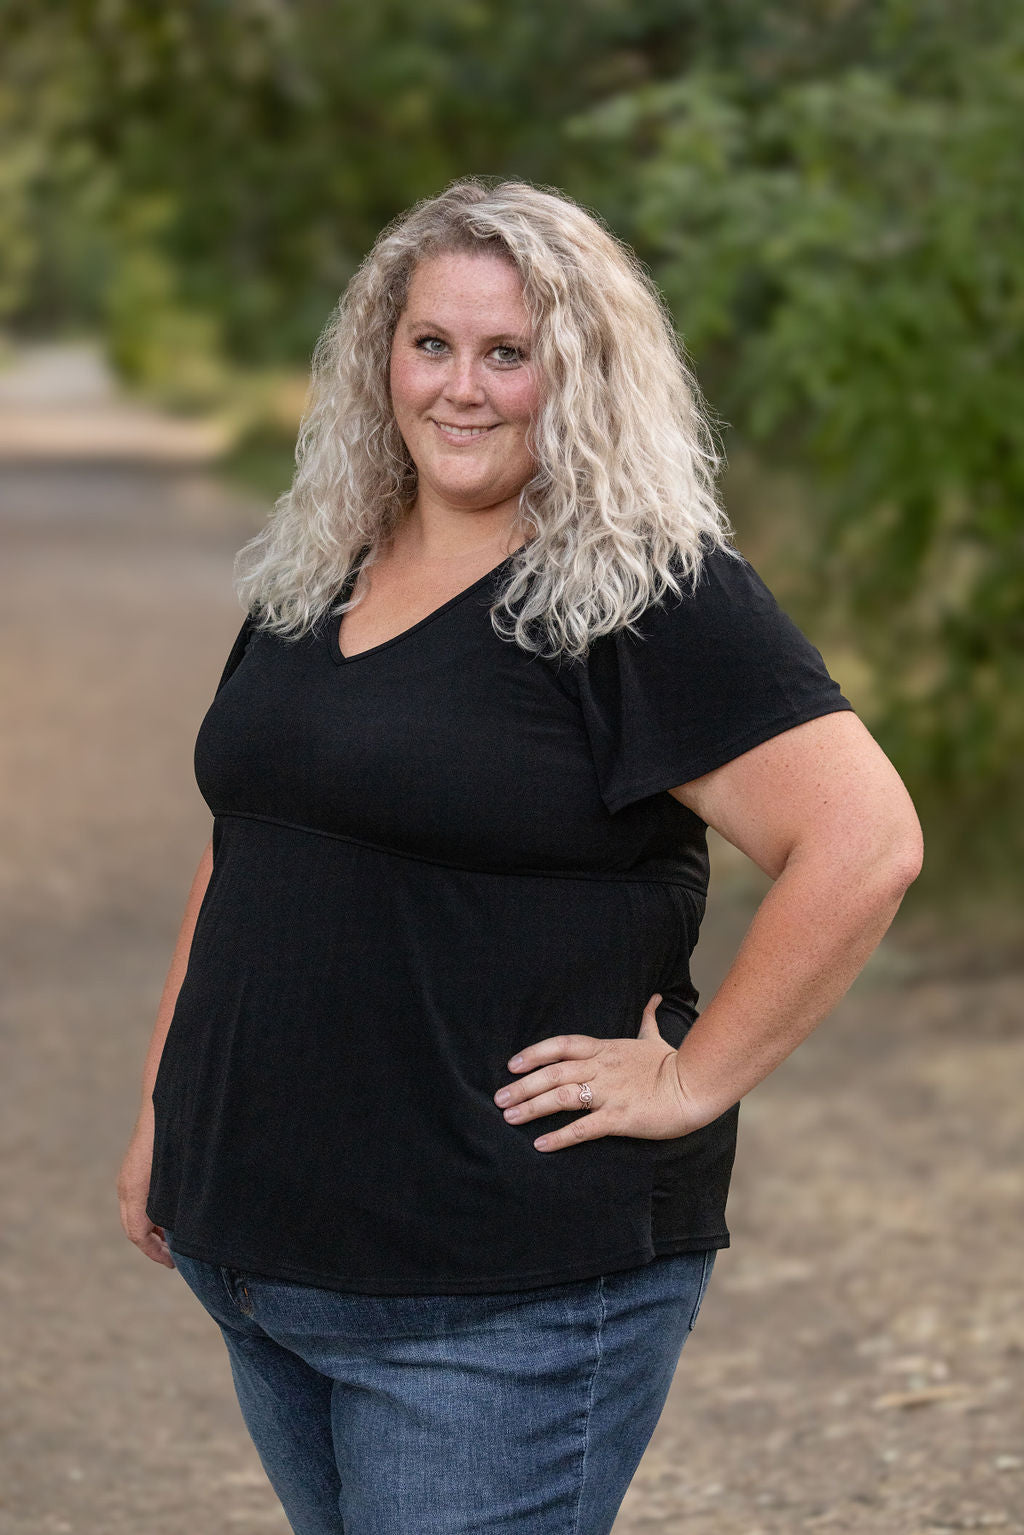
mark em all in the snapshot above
pixel 857 1366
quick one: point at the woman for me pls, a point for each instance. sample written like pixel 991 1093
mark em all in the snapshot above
pixel 428 1123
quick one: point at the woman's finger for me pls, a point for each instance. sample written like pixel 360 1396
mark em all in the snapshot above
pixel 590 1127
pixel 545 1079
pixel 572 1045
pixel 556 1101
pixel 154 1245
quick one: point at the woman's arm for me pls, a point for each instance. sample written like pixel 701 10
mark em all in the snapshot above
pixel 822 810
pixel 134 1175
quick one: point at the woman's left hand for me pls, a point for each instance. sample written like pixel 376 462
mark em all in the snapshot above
pixel 635 1083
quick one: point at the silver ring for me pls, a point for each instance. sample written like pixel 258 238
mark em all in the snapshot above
pixel 586 1095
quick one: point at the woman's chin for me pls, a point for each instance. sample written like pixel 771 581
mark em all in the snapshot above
pixel 469 493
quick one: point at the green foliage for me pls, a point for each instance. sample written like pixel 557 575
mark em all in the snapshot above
pixel 844 248
pixel 278 139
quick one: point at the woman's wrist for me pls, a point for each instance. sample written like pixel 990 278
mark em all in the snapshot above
pixel 702 1103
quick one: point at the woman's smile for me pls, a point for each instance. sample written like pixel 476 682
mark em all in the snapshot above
pixel 462 434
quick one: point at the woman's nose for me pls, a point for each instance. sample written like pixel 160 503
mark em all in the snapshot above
pixel 463 384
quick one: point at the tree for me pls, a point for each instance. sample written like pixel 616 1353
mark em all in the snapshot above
pixel 842 242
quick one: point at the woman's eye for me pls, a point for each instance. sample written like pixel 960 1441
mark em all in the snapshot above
pixel 507 356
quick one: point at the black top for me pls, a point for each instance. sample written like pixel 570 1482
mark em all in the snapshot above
pixel 425 857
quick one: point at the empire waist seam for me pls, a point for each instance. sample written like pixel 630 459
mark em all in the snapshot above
pixel 602 875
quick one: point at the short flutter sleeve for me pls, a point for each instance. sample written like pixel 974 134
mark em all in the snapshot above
pixel 704 678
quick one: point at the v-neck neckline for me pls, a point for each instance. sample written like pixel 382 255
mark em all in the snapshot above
pixel 333 627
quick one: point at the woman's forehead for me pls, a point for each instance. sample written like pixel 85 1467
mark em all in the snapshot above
pixel 464 284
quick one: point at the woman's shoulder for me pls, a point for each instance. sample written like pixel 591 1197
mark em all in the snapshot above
pixel 243 640
pixel 721 582
pixel 717 593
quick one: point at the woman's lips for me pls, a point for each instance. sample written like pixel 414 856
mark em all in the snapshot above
pixel 460 434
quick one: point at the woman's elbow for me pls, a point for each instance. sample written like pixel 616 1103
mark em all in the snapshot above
pixel 899 852
pixel 879 847
pixel 909 859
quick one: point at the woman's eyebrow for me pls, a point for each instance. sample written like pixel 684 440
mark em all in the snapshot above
pixel 440 330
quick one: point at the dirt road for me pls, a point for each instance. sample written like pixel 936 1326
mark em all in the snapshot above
pixel 858 1363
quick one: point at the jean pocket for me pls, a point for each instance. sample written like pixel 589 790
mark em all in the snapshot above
pixel 705 1277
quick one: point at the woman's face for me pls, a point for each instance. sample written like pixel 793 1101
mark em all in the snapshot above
pixel 463 387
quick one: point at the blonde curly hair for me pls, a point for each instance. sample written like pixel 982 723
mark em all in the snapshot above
pixel 623 498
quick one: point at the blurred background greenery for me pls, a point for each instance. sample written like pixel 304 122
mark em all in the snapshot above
pixel 828 193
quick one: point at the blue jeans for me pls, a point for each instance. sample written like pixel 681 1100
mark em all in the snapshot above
pixel 525 1412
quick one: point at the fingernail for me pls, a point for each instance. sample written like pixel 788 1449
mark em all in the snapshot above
pixel 503 1096
pixel 516 1060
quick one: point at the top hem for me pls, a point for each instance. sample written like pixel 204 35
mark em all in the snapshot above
pixel 487 1285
